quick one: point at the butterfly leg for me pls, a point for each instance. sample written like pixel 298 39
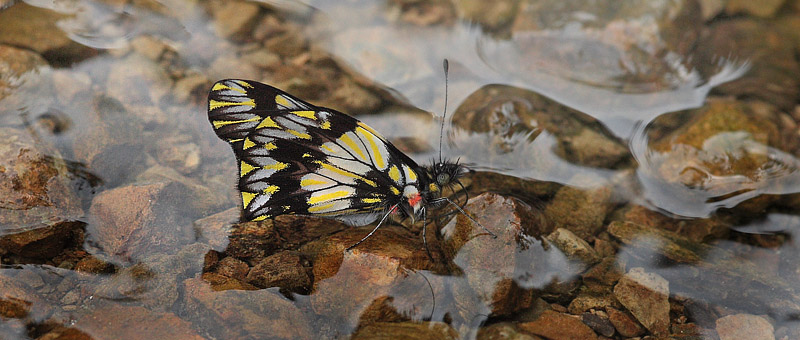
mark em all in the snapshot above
pixel 391 210
pixel 445 199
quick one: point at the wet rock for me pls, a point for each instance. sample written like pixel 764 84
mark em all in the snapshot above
pixel 203 198
pixel 763 9
pixel 353 98
pixel 704 272
pixel 65 333
pixel 744 326
pixel 233 268
pixel 69 84
pixel 135 221
pixel 222 283
pixel 233 314
pixel 624 323
pixel 696 229
pixel 774 72
pixel 235 19
pixel 133 322
pixel 261 239
pixel 91 264
pixel 506 112
pixel 586 301
pixel 491 16
pixel 724 147
pixel 111 146
pixel 574 247
pixel 14 64
pixel 37 29
pixel 646 296
pixel 406 330
pixel 501 270
pixel 503 331
pixel 285 269
pixel 40 205
pixel 19 300
pixel 598 323
pixel 179 152
pixel 558 326
pixel 138 83
pixel 426 13
pixel 192 88
pixel 602 275
pixel 579 211
pixel 213 230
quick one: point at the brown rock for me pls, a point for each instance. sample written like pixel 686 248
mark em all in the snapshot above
pixel 606 273
pixel 213 230
pixel 587 301
pixel 15 63
pixel 137 220
pixel 132 322
pixel 579 211
pixel 646 296
pixel 406 330
pixel 574 247
pixel 233 268
pixel 624 323
pixel 40 205
pixel 65 333
pixel 91 264
pixel 696 229
pixel 285 269
pixel 264 238
pixel 491 16
pixel 235 19
pixel 236 314
pixel 763 8
pixel 37 29
pixel 19 300
pixel 557 326
pixel 744 326
pixel 503 331
pixel 598 323
pixel 221 283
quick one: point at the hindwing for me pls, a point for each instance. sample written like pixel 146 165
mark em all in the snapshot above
pixel 297 158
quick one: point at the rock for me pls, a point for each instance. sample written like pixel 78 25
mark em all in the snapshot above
pixel 150 47
pixel 236 314
pixel 503 331
pixel 624 323
pixel 558 326
pixel 285 269
pixel 646 295
pixel 192 88
pixel 41 206
pixel 604 274
pixel 179 152
pixel 235 19
pixel 138 83
pixel 406 330
pixel 135 221
pixel 763 9
pixel 696 229
pixel 65 333
pixel 133 322
pixel 19 300
pixel 222 283
pixel 37 29
pixel 491 16
pixel 579 211
pixel 213 230
pixel 233 268
pixel 15 63
pixel 744 326
pixel 586 301
pixel 774 72
pixel 352 98
pixel 574 247
pixel 598 323
pixel 93 265
pixel 261 239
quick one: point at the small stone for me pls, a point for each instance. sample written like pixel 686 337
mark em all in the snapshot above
pixel 262 58
pixel 598 323
pixel 762 8
pixel 93 265
pixel 573 246
pixel 558 326
pixel 406 330
pixel 235 19
pixel 646 295
pixel 503 331
pixel 192 88
pixel 37 29
pixel 285 269
pixel 587 301
pixel 150 47
pixel 624 323
pixel 579 211
pixel 233 268
pixel 744 326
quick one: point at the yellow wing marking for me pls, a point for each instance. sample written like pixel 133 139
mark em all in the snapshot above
pixel 346 173
pixel 261 218
pixel 394 173
pixel 327 197
pixel 277 166
pixel 282 100
pixel 299 134
pixel 320 207
pixel 221 86
pixel 247 197
pixel 244 83
pixel 248 143
pixel 376 154
pixel 326 125
pixel 352 144
pixel 366 127
pixel 246 168
pixel 306 114
pixel 395 191
pixel 215 104
pixel 310 182
pixel 270 146
pixel 220 123
pixel 267 123
pixel 371 200
pixel 433 187
pixel 271 189
pixel 412 176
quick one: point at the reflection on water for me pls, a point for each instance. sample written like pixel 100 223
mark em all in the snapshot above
pixel 637 160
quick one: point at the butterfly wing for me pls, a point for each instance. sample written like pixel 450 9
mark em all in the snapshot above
pixel 297 158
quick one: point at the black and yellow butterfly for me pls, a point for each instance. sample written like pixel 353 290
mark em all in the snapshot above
pixel 297 158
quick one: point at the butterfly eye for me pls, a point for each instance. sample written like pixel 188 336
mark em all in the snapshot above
pixel 442 179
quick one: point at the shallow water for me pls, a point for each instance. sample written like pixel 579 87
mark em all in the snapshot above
pixel 644 149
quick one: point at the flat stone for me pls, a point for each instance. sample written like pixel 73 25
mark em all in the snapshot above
pixel 133 322
pixel 558 326
pixel 744 326
pixel 406 330
pixel 234 19
pixel 573 246
pixel 37 29
pixel 284 269
pixel 624 323
pixel 579 211
pixel 646 295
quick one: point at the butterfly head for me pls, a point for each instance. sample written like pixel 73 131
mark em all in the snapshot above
pixel 444 174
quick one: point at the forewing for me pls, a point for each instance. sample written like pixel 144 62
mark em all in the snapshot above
pixel 296 158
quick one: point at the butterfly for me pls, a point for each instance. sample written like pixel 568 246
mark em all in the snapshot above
pixel 298 158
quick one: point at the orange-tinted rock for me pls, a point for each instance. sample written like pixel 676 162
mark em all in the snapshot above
pixel 624 323
pixel 285 269
pixel 19 300
pixel 236 314
pixel 232 268
pixel 558 326
pixel 744 326
pixel 133 322
pixel 579 211
pixel 260 239
pixel 646 296
pixel 406 330
pixel 39 205
pixel 91 264
pixel 15 63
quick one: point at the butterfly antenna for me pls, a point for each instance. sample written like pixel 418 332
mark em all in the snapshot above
pixel 446 66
